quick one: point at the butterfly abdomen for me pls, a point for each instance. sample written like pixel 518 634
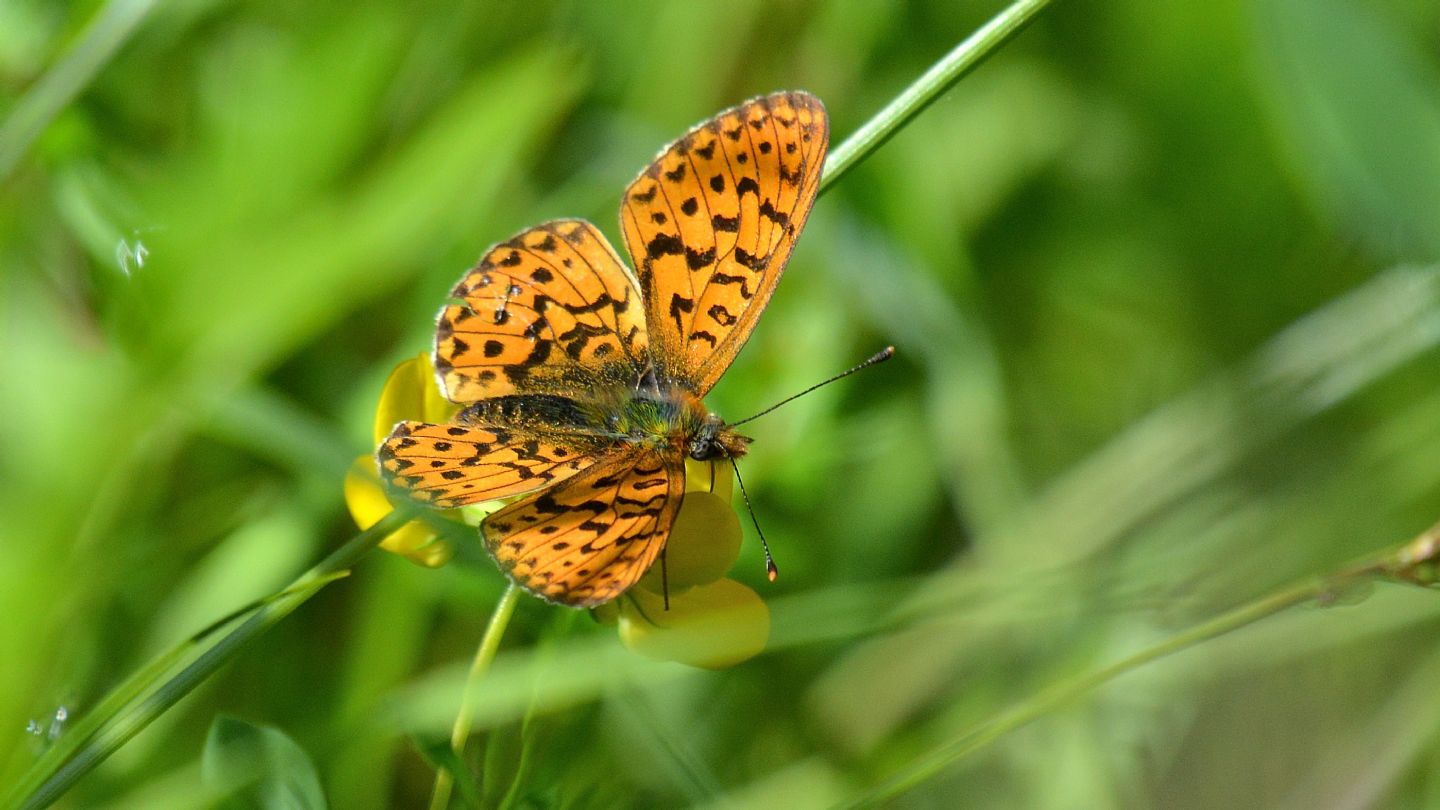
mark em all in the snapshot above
pixel 535 412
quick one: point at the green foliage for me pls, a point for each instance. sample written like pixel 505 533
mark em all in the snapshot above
pixel 1165 286
pixel 259 766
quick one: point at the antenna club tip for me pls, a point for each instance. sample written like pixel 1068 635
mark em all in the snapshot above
pixel 771 571
pixel 888 352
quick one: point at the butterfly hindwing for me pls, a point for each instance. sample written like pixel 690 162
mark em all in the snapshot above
pixel 585 541
pixel 454 465
pixel 550 310
pixel 711 223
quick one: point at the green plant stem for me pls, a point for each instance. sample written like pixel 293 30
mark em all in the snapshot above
pixel 133 705
pixel 484 654
pixel 964 58
pixel 1407 563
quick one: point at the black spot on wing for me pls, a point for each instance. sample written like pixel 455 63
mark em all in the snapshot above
pixel 756 263
pixel 725 278
pixel 721 315
pixel 778 217
pixel 664 244
pixel 679 304
pixel 576 235
pixel 698 259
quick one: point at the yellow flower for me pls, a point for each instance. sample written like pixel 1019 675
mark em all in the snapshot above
pixel 410 393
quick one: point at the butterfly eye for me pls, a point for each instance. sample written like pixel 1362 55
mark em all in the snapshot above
pixel 704 447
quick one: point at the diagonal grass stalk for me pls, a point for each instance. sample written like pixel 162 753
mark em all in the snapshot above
pixel 941 76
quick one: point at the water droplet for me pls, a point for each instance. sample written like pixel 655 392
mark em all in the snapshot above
pixel 57 724
pixel 32 727
pixel 122 256
pixel 131 257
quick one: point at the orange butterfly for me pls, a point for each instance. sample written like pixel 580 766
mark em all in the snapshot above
pixel 583 381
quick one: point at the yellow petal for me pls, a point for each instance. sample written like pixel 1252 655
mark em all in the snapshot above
pixel 438 409
pixel 712 626
pixel 703 545
pixel 411 393
pixel 366 500
pixel 714 477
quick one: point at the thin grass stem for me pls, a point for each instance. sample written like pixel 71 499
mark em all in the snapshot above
pixel 484 654
pixel 922 92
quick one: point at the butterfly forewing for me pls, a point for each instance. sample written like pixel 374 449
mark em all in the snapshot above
pixel 711 223
pixel 584 541
pixel 454 465
pixel 550 310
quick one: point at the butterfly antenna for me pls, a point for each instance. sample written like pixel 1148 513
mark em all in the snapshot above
pixel 879 357
pixel 770 570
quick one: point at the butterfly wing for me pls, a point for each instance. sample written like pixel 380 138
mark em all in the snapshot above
pixel 711 223
pixel 586 540
pixel 454 465
pixel 550 310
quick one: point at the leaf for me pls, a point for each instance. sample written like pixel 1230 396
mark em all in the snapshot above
pixel 260 766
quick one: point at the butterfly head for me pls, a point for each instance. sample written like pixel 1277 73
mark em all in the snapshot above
pixel 715 440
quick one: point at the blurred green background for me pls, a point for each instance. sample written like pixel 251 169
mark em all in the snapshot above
pixel 1163 282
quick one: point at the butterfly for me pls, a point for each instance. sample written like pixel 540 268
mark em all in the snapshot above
pixel 582 380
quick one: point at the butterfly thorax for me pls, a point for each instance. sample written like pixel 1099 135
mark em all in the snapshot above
pixel 675 417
